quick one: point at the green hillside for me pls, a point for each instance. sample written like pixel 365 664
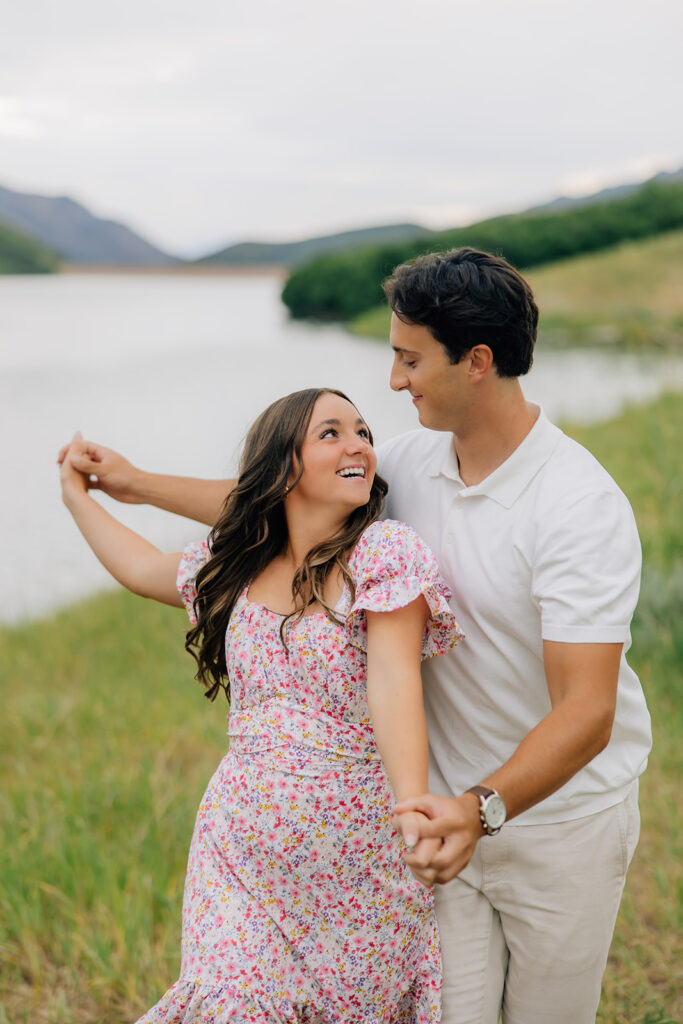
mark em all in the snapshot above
pixel 21 255
pixel 343 286
pixel 632 293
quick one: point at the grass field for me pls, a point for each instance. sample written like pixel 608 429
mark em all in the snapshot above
pixel 106 745
pixel 632 294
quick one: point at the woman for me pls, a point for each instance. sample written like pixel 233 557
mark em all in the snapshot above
pixel 313 616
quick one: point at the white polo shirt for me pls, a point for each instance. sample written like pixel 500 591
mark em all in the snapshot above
pixel 545 548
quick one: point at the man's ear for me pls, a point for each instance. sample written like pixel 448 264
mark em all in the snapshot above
pixel 481 362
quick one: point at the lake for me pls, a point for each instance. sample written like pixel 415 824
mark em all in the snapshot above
pixel 171 369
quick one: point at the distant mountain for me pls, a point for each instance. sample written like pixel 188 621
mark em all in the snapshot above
pixel 288 254
pixel 22 255
pixel 291 254
pixel 606 195
pixel 77 235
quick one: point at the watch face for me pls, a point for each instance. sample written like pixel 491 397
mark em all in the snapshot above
pixel 494 811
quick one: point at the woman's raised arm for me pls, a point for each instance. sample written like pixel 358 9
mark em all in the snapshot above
pixel 191 497
pixel 131 560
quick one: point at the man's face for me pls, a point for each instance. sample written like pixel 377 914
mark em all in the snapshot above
pixel 422 367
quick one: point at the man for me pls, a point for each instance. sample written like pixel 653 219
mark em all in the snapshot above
pixel 538 727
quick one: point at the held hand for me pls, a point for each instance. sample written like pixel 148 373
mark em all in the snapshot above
pixel 454 823
pixel 74 483
pixel 418 851
pixel 408 827
pixel 103 469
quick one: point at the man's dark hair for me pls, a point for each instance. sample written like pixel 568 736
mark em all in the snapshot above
pixel 467 298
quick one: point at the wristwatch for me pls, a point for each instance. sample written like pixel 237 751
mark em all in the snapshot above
pixel 491 809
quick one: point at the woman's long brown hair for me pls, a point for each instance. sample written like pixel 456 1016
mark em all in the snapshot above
pixel 251 531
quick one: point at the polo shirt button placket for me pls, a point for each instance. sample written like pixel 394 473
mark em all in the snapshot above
pixel 448 535
pixel 455 508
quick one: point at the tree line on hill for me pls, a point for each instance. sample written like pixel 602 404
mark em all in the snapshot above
pixel 342 286
pixel 22 255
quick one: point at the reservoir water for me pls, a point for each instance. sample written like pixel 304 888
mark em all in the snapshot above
pixel 171 369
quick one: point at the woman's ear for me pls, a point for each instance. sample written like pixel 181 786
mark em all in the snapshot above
pixel 294 470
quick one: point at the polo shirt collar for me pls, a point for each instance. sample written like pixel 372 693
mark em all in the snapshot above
pixel 513 476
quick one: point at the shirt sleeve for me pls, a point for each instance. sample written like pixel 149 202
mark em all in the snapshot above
pixel 194 556
pixel 392 567
pixel 586 574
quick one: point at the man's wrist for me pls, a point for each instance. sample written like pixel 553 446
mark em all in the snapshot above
pixel 141 487
pixel 492 809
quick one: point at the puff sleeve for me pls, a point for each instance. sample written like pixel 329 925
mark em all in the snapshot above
pixel 391 567
pixel 193 558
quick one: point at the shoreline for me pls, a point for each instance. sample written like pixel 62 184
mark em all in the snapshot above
pixel 177 270
pixel 67 603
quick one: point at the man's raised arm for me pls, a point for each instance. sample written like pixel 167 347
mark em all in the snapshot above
pixel 110 472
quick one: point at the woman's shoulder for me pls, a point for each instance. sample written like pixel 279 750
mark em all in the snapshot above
pixel 387 541
pixel 194 556
pixel 192 559
pixel 392 567
pixel 387 531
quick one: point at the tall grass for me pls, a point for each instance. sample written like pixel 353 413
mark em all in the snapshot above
pixel 106 745
pixel 644 980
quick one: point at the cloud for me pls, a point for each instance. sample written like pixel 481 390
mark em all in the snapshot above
pixel 593 179
pixel 218 122
pixel 15 123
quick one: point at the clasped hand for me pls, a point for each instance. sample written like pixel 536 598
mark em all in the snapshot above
pixel 440 835
pixel 100 469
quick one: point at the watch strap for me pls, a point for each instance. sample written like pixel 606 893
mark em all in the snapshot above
pixel 483 793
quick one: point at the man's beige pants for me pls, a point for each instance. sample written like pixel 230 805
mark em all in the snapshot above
pixel 526 927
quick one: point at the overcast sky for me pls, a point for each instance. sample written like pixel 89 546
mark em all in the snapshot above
pixel 207 122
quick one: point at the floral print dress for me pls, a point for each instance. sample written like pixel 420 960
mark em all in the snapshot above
pixel 298 906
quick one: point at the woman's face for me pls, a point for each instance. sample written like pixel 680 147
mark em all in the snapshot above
pixel 339 461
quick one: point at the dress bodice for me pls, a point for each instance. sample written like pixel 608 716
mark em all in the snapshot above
pixel 313 690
